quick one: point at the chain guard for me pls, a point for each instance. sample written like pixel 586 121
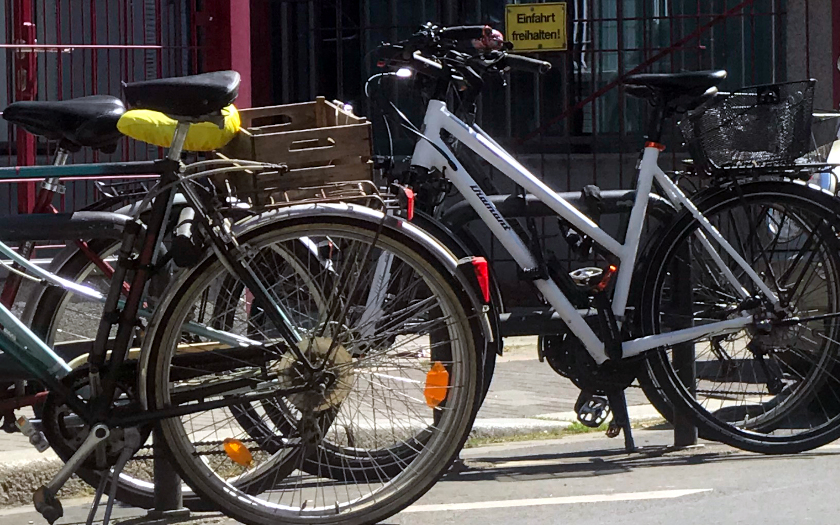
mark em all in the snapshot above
pixel 568 357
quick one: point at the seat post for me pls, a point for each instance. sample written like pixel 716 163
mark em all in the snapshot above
pixel 52 184
pixel 178 139
pixel 656 121
pixel 60 158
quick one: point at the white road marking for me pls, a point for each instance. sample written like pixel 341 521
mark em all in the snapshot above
pixel 566 500
pixel 525 463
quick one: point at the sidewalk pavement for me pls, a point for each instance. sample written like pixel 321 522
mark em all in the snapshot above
pixel 526 397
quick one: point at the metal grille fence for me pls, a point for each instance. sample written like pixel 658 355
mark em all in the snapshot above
pixel 60 49
pixel 574 126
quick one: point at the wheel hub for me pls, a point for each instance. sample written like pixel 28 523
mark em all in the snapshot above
pixel 335 382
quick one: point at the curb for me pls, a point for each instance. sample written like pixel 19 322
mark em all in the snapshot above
pixel 501 428
pixel 20 478
pixel 26 471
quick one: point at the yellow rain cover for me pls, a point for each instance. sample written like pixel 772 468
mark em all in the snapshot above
pixel 156 128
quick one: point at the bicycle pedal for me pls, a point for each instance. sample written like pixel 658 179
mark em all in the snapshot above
pixel 36 437
pixel 587 277
pixel 47 505
pixel 593 411
pixel 613 430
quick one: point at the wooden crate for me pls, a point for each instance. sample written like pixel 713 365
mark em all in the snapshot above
pixel 318 141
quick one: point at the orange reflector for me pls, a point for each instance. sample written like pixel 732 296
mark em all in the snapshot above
pixel 437 381
pixel 482 274
pixel 651 144
pixel 238 452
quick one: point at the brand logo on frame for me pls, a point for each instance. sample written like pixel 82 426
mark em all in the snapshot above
pixel 489 205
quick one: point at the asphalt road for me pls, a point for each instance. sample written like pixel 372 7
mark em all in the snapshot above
pixel 588 479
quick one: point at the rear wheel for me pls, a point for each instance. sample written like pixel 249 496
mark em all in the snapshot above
pixel 773 386
pixel 395 413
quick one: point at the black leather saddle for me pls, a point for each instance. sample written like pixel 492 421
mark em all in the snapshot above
pixel 86 122
pixel 675 90
pixel 192 96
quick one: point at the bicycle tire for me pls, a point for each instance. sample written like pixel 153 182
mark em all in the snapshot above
pixel 394 493
pixel 340 462
pixel 784 218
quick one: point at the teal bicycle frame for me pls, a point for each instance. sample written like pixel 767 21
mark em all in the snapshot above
pixel 17 339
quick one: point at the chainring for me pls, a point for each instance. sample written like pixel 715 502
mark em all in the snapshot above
pixel 65 431
pixel 567 356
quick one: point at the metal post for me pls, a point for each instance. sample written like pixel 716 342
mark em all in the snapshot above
pixel 169 503
pixel 835 32
pixel 228 30
pixel 685 433
pixel 25 78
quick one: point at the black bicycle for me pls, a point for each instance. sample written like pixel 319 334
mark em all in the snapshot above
pixel 258 323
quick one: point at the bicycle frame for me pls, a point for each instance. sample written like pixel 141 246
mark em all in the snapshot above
pixel 45 365
pixel 432 152
pixel 18 340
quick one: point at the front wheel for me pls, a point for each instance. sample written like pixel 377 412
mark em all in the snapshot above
pixel 773 386
pixel 394 409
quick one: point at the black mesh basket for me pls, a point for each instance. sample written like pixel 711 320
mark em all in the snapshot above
pixel 759 126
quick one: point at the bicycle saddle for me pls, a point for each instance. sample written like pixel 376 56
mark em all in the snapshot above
pixel 192 96
pixel 89 122
pixel 674 89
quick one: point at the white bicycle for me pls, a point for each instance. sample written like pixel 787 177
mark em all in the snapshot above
pixel 763 302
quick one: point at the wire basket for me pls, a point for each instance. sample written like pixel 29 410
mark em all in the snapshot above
pixel 759 126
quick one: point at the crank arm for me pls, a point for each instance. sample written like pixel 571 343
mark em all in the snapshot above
pixel 97 434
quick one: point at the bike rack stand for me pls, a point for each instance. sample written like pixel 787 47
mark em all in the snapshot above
pixel 169 502
pixel 685 433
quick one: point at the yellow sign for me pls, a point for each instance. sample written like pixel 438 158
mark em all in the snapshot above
pixel 536 27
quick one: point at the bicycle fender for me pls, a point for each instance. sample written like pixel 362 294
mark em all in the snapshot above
pixel 456 267
pixel 34 296
pixel 353 212
pixel 374 217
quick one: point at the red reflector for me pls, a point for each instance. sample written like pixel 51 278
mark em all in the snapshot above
pixel 605 279
pixel 482 275
pixel 409 207
pixel 660 147
pixel 381 63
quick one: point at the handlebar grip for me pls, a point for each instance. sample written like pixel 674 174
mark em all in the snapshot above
pixel 459 33
pixel 530 65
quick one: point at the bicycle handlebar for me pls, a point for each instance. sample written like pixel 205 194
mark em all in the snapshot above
pixel 527 64
pixel 464 55
pixel 460 33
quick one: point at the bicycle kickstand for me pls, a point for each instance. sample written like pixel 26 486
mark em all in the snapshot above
pixel 44 498
pixel 130 444
pixel 620 421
